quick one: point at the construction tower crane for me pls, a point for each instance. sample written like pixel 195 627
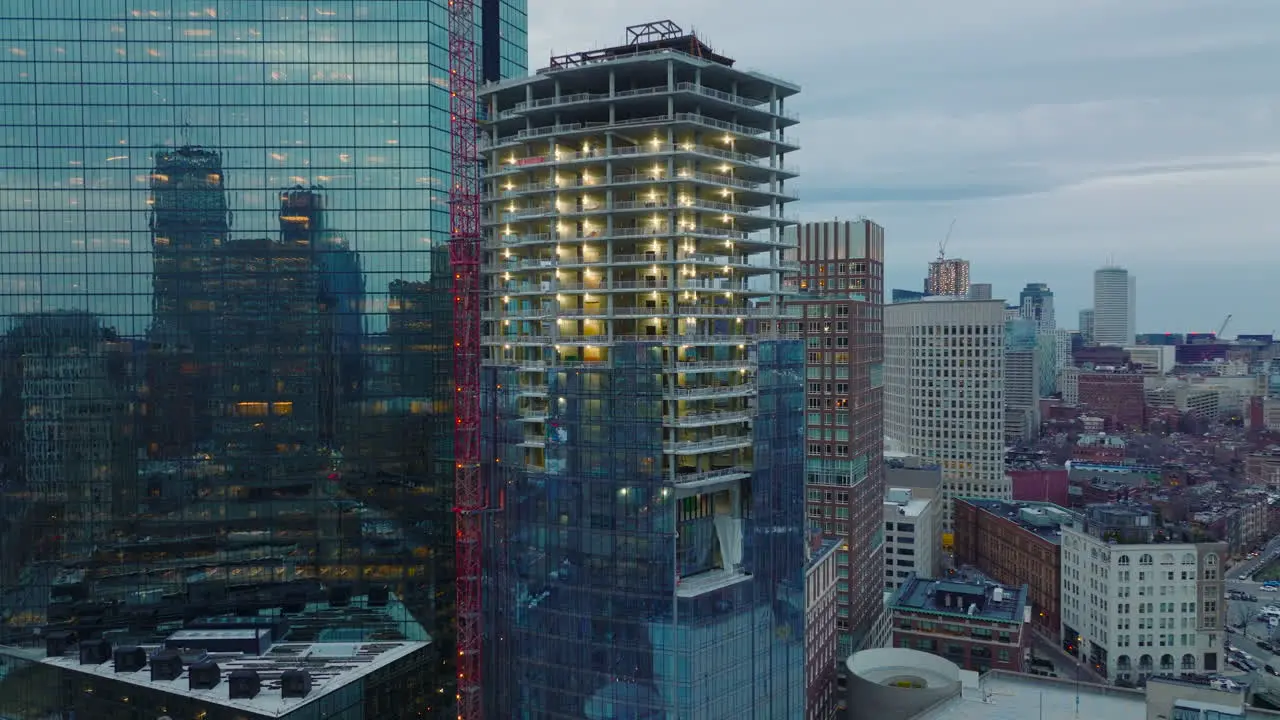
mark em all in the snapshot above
pixel 464 260
pixel 942 246
pixel 1223 327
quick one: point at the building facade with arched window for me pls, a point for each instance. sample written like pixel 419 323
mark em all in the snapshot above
pixel 1136 602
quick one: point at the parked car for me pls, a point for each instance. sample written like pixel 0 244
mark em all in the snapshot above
pixel 1266 646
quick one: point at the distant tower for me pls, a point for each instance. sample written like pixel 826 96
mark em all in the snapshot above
pixel 189 221
pixel 1086 326
pixel 1114 293
pixel 1036 304
pixel 949 276
pixel 302 227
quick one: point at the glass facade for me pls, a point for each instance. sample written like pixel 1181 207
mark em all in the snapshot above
pixel 225 309
pixel 599 607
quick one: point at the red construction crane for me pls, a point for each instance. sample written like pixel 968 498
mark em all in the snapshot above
pixel 464 258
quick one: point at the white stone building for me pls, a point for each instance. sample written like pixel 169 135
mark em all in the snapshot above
pixel 912 535
pixel 944 391
pixel 1145 607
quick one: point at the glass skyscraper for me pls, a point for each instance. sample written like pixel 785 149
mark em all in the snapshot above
pixel 225 327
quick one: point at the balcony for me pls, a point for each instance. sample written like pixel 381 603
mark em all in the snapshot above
pixel 756 104
pixel 707 419
pixel 744 160
pixel 686 479
pixel 719 443
pixel 701 366
pixel 710 391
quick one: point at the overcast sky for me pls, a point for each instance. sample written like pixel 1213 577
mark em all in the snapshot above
pixel 1058 133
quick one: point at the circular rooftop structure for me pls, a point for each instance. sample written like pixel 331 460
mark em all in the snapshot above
pixel 897 682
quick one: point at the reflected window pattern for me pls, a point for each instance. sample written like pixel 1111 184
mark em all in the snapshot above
pixel 225 314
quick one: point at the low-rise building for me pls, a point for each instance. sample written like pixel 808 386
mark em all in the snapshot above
pixel 1152 359
pixel 1117 396
pixel 900 684
pixel 1016 543
pixel 1099 448
pixel 1136 602
pixel 1262 469
pixel 820 631
pixel 978 626
pixel 1040 482
pixel 912 532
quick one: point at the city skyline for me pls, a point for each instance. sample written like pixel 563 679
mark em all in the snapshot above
pixel 1057 133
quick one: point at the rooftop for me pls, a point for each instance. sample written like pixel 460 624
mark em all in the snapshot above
pixel 1012 696
pixel 338 641
pixel 331 666
pixel 912 508
pixel 987 601
pixel 644 38
pixel 1044 519
pixel 822 551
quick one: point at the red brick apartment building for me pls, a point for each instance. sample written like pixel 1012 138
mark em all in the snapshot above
pixel 977 626
pixel 1119 397
pixel 1016 543
pixel 1040 484
pixel 841 301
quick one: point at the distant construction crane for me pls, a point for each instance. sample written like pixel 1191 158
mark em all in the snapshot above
pixel 464 259
pixel 1223 327
pixel 942 246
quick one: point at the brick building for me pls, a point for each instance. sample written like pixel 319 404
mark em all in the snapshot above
pixel 1017 544
pixel 820 632
pixel 841 298
pixel 977 626
pixel 1040 484
pixel 1119 397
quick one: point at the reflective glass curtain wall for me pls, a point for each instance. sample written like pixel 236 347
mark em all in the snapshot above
pixel 587 617
pixel 224 317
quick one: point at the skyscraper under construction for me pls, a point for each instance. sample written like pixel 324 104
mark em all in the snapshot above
pixel 642 390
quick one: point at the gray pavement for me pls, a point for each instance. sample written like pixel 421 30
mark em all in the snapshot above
pixel 1249 567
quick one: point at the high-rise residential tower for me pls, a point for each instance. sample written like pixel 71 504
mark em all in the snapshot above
pixel 219 218
pixel 642 389
pixel 944 397
pixel 841 299
pixel 948 276
pixel 1114 296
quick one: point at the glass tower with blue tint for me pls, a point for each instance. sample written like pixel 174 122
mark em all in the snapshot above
pixel 225 327
pixel 642 390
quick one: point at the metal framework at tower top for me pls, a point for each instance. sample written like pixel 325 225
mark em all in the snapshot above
pixel 464 259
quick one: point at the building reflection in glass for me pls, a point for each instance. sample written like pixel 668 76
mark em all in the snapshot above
pixel 225 323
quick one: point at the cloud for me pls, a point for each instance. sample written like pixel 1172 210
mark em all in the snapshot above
pixel 1061 133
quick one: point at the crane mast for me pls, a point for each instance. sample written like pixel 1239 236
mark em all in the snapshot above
pixel 464 260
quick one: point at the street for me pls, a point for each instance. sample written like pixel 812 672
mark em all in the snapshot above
pixel 1064 665
pixel 1251 566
